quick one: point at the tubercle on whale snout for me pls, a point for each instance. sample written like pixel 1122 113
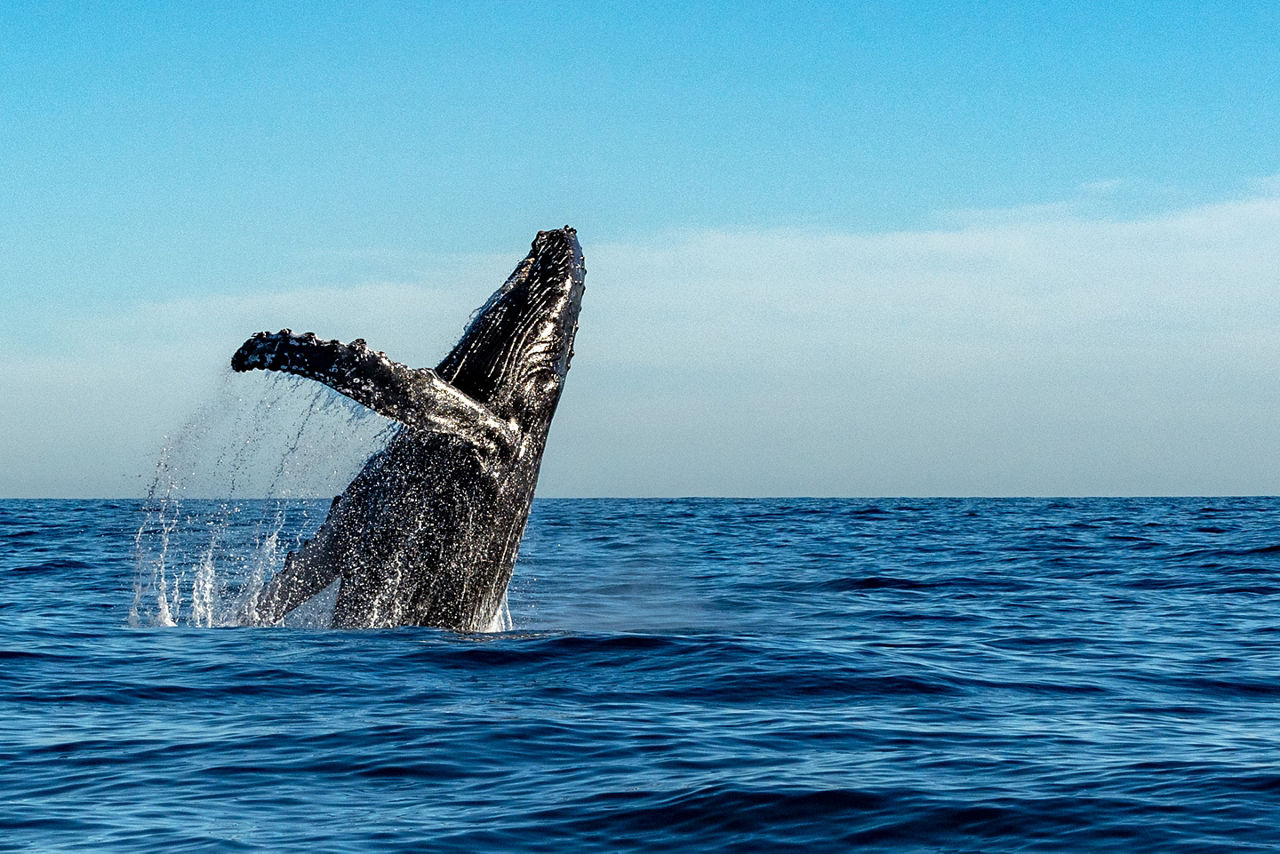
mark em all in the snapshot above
pixel 563 242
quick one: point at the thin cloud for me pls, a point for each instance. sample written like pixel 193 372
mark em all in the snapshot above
pixel 1027 354
pixel 1022 357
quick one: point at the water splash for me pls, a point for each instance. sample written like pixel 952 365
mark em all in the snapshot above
pixel 502 618
pixel 246 480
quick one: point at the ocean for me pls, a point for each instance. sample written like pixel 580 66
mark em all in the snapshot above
pixel 684 674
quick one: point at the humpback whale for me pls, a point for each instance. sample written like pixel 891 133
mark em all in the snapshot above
pixel 427 533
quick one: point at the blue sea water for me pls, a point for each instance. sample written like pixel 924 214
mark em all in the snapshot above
pixel 758 675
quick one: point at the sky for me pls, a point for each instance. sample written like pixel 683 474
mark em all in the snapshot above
pixel 839 249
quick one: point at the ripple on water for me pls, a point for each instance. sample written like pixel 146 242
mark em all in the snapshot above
pixel 681 674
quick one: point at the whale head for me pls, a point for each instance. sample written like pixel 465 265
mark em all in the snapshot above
pixel 516 350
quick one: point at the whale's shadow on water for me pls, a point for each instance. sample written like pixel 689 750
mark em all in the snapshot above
pixel 428 531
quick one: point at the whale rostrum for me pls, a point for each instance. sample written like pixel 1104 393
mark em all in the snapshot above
pixel 427 533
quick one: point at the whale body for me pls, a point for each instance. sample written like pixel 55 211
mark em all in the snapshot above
pixel 428 532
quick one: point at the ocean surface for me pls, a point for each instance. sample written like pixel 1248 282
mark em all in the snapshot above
pixel 755 675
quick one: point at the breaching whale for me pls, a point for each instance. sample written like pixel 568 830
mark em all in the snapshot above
pixel 427 533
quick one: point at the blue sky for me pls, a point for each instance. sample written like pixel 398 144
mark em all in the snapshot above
pixel 894 248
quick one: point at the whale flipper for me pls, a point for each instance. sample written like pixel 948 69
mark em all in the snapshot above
pixel 298 581
pixel 418 398
pixel 305 573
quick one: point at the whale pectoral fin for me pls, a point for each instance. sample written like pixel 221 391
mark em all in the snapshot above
pixel 418 398
pixel 290 587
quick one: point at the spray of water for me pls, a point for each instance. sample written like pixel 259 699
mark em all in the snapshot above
pixel 246 480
